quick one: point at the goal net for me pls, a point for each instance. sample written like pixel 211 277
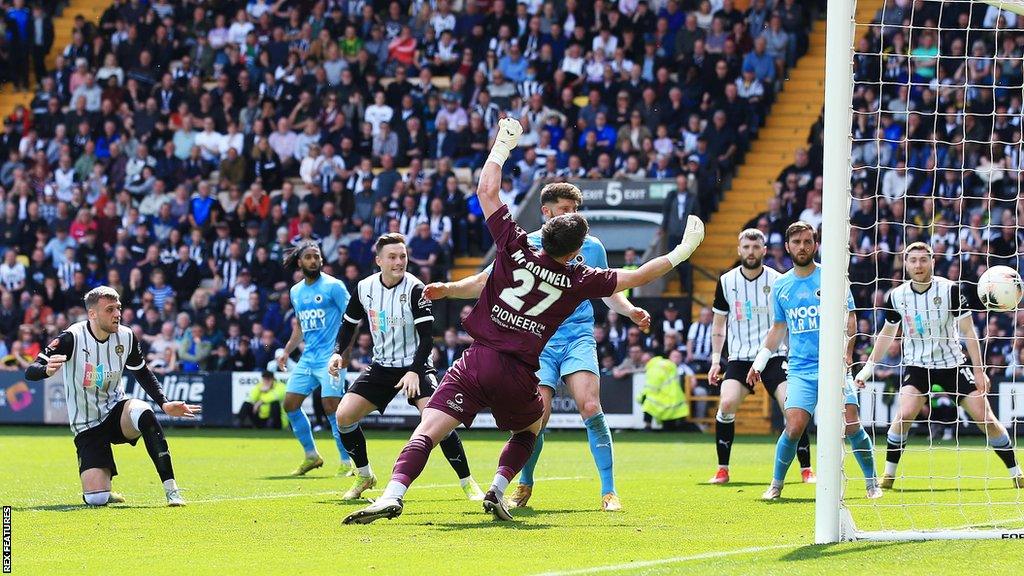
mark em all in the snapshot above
pixel 926 148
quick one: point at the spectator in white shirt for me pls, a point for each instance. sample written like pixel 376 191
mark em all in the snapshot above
pixel 378 112
pixel 896 182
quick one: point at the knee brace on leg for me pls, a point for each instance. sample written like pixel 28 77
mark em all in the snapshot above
pixel 96 498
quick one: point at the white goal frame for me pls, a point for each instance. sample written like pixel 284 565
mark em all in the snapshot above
pixel 833 522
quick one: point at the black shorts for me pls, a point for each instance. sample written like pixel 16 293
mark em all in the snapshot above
pixel 774 373
pixel 957 381
pixel 378 383
pixel 94 444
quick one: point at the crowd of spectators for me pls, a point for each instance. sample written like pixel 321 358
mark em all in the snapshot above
pixel 177 149
pixel 936 157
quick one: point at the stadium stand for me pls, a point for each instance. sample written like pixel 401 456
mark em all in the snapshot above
pixel 174 150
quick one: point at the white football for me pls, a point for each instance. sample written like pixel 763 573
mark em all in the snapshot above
pixel 1000 289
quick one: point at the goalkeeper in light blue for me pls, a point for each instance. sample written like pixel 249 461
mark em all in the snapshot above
pixel 796 300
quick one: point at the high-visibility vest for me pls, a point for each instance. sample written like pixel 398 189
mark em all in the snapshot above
pixel 663 397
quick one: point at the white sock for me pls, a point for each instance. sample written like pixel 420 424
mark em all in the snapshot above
pixel 170 485
pixel 395 490
pixel 499 485
pixel 364 471
pixel 890 468
pixel 726 467
pixel 465 481
pixel 1015 471
pixel 313 454
pixel 777 484
pixel 808 468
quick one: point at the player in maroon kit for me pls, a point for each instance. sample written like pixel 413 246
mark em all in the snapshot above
pixel 527 297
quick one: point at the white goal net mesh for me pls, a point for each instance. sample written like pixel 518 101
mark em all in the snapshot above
pixel 937 157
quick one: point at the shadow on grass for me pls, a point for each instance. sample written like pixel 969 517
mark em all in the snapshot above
pixel 819 551
pixel 786 500
pixel 730 484
pixel 290 477
pixel 452 526
pixel 82 507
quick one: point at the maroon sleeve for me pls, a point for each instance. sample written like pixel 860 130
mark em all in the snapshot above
pixel 597 282
pixel 504 229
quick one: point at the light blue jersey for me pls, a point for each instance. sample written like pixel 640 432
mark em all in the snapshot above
pixel 319 307
pixel 580 324
pixel 797 302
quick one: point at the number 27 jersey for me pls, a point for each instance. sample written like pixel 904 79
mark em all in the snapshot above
pixel 529 294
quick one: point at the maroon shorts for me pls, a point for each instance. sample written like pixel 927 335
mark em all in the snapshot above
pixel 484 378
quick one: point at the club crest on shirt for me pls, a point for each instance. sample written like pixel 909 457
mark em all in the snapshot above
pixel 318 298
pixel 402 298
pixel 817 293
pixel 119 350
pixel 937 300
pixel 53 344
pixel 767 289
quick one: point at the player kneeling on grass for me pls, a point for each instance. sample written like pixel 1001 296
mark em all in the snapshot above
pixel 931 310
pixel 401 320
pixel 92 355
pixel 796 303
pixel 528 295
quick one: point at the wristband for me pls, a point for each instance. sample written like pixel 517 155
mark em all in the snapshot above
pixel 716 358
pixel 498 154
pixel 677 255
pixel 761 360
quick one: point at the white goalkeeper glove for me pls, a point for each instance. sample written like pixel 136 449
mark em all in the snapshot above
pixel 509 130
pixel 692 238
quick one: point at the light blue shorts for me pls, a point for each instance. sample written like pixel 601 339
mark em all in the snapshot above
pixel 304 380
pixel 802 392
pixel 562 360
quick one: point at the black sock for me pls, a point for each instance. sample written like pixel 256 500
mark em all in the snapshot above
pixel 894 450
pixel 1006 454
pixel 355 444
pixel 456 454
pixel 725 433
pixel 156 445
pixel 803 451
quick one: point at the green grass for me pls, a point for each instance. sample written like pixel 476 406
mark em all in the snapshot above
pixel 244 514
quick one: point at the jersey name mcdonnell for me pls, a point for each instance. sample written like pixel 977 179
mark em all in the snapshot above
pixel 554 278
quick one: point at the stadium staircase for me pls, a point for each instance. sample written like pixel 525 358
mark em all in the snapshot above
pixel 62 28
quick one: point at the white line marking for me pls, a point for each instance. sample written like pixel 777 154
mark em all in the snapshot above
pixel 674 560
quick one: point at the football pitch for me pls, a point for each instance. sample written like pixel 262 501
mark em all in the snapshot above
pixel 245 515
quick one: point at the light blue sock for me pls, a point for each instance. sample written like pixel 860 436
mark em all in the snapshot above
pixel 333 419
pixel 302 431
pixel 785 451
pixel 526 476
pixel 600 439
pixel 864 452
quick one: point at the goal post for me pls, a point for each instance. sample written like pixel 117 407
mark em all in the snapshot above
pixel 834 259
pixel 965 503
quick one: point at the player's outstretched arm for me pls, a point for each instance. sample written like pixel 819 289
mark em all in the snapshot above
pixel 624 307
pixel 465 289
pixel 661 265
pixel 771 343
pixel 50 359
pixel 509 130
pixel 966 325
pixel 883 340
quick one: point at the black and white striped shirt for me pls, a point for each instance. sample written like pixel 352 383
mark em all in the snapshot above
pixel 929 318
pixel 747 305
pixel 393 314
pixel 93 370
pixel 700 335
pixel 229 270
